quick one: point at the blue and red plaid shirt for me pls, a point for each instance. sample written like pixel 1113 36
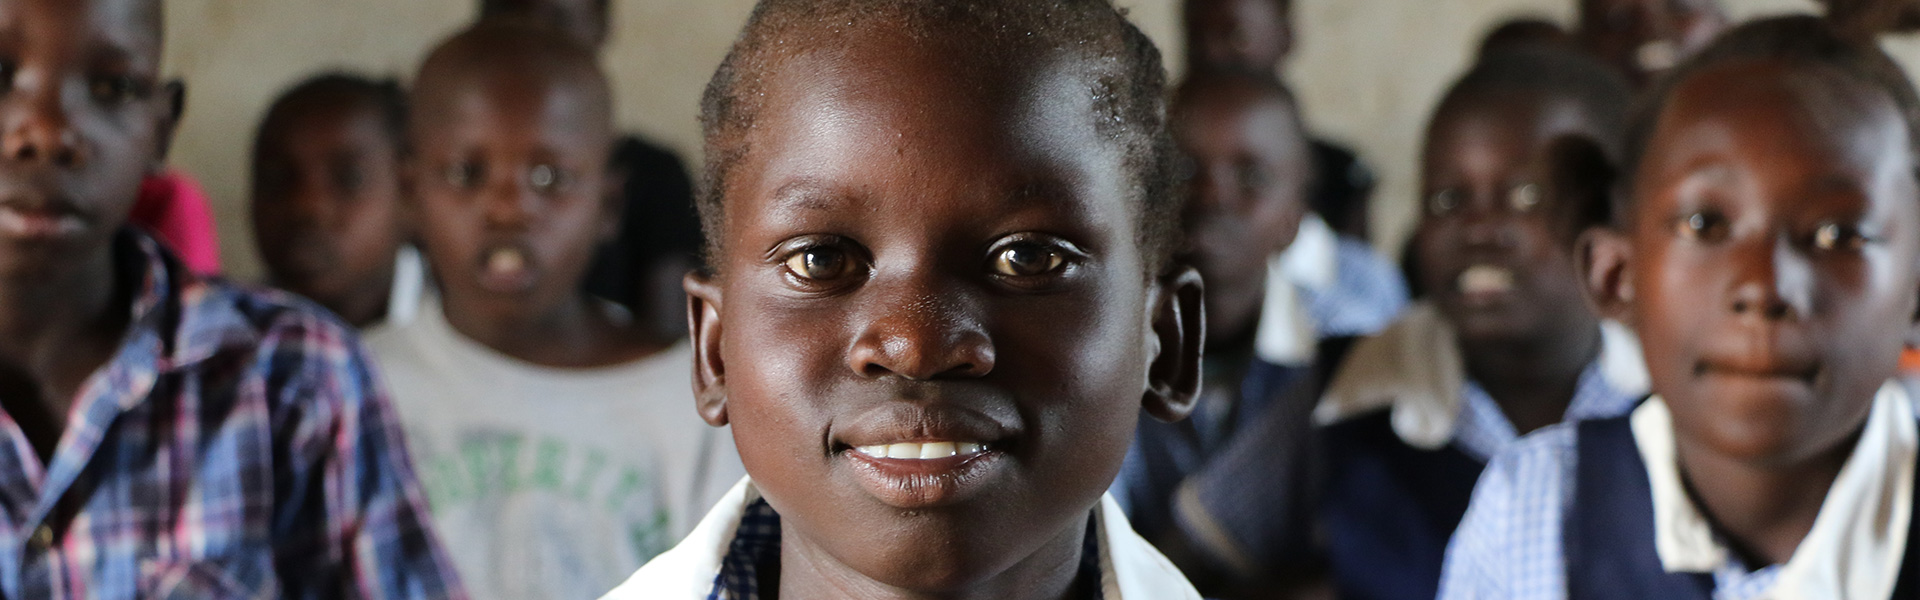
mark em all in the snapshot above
pixel 236 446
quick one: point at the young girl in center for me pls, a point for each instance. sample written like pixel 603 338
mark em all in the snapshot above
pixel 938 296
pixel 1769 257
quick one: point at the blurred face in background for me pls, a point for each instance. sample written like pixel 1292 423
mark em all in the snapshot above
pixel 1643 38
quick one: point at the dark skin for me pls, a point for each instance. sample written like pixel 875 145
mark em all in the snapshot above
pixel 83 117
pixel 509 171
pixel 1246 35
pixel 326 203
pixel 1642 38
pixel 923 249
pixel 1248 194
pixel 584 20
pixel 1527 335
pixel 1770 269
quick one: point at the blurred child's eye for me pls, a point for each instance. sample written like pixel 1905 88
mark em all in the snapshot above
pixel 464 174
pixel 348 179
pixel 1837 236
pixel 1523 197
pixel 7 70
pixel 1443 202
pixel 114 90
pixel 821 263
pixel 1702 226
pixel 1026 259
pixel 546 179
pixel 1253 178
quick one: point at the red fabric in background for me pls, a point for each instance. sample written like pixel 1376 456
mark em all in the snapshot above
pixel 174 208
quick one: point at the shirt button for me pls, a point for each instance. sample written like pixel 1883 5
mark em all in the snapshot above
pixel 43 536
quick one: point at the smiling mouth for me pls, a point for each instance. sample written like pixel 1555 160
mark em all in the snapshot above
pixel 1483 282
pixel 922 451
pixel 36 223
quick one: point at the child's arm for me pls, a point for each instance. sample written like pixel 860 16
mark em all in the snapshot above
pixel 352 521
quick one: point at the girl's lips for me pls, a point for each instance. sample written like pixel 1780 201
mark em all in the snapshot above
pixel 920 483
pixel 22 223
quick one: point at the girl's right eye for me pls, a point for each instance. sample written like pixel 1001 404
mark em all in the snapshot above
pixel 7 71
pixel 1443 202
pixel 463 174
pixel 822 264
pixel 1702 226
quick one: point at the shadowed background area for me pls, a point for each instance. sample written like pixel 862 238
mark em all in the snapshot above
pixel 1367 72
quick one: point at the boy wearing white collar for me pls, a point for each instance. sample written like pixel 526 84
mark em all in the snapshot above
pixel 1504 345
pixel 1769 257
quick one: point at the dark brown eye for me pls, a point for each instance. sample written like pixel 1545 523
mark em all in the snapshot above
pixel 1443 202
pixel 1702 226
pixel 114 90
pixel 1027 260
pixel 464 174
pixel 1837 236
pixel 821 264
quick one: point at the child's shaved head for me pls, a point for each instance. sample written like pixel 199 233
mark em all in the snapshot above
pixel 509 58
pixel 1124 69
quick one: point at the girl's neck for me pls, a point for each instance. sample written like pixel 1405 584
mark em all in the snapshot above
pixel 1533 381
pixel 1764 511
pixel 575 334
pixel 808 572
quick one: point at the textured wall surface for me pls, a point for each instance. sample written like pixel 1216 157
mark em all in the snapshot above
pixel 1368 71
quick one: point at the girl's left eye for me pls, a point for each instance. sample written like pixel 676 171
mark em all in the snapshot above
pixel 1027 259
pixel 1837 236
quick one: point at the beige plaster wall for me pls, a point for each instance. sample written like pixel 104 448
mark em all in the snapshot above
pixel 1367 70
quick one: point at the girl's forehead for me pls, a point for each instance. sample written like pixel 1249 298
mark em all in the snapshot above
pixel 1811 112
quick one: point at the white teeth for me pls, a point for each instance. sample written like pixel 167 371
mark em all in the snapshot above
pixel 506 260
pixel 1485 279
pixel 936 450
pixel 922 451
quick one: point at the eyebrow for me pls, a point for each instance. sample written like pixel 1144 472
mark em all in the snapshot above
pixel 811 195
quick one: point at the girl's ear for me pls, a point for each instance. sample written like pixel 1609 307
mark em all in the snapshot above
pixel 1605 259
pixel 613 198
pixel 704 330
pixel 1179 336
pixel 173 104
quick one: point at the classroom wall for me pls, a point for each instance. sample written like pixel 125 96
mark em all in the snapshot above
pixel 1367 72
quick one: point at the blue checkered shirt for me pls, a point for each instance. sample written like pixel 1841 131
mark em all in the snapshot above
pixel 1511 545
pixel 237 445
pixel 1367 293
pixel 756 545
pixel 1483 430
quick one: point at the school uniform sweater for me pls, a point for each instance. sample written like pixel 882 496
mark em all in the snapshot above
pixel 1402 436
pixel 1599 510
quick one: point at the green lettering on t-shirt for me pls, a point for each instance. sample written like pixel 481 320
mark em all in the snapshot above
pixel 549 460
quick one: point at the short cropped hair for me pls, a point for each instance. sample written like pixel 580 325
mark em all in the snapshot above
pixel 384 95
pixel 1800 40
pixel 1128 88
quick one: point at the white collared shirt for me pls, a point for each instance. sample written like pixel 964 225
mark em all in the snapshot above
pixel 1130 569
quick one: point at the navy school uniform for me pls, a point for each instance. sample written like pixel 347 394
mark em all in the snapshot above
pixel 1402 436
pixel 1598 511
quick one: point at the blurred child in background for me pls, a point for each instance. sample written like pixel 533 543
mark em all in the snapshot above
pixel 327 208
pixel 1769 257
pixel 558 442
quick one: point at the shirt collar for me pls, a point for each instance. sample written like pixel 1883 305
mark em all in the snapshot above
pixel 1130 569
pixel 1286 334
pixel 187 319
pixel 1859 536
pixel 1414 369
